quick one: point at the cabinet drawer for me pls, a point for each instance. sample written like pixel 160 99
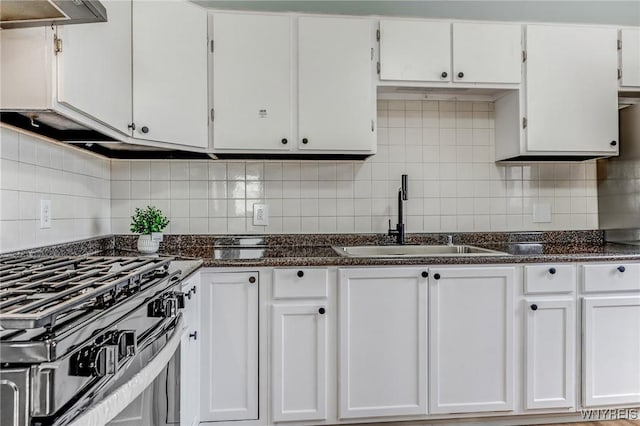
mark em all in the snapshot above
pixel 299 283
pixel 549 279
pixel 612 277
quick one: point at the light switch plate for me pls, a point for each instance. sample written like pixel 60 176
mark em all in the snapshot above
pixel 542 212
pixel 45 214
pixel 260 215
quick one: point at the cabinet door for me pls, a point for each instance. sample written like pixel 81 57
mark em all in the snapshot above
pixel 571 89
pixel 229 351
pixel 190 353
pixel 170 72
pixel 94 67
pixel 487 53
pixel 336 93
pixel 382 359
pixel 415 50
pixel 611 350
pixel 252 82
pixel 299 369
pixel 630 57
pixel 471 339
pixel 549 353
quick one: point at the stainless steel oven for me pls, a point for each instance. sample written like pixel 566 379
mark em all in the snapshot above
pixel 78 333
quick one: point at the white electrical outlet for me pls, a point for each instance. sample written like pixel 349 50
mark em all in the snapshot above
pixel 260 215
pixel 45 214
pixel 542 212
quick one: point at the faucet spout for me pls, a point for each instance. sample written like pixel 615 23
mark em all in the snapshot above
pixel 398 232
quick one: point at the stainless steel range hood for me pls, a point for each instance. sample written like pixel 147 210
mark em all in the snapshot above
pixel 35 13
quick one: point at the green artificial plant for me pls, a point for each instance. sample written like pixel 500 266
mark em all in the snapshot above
pixel 148 220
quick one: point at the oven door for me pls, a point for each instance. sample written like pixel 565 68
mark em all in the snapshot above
pixel 159 403
pixel 14 394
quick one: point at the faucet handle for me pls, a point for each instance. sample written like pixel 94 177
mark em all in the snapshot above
pixel 449 240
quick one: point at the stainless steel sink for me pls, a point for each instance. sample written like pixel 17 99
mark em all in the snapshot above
pixel 415 251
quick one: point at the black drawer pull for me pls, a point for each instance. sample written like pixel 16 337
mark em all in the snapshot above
pixel 284 141
pixel 252 280
pixel 552 271
pixel 424 274
pixel 621 268
pixel 436 276
pixel 300 274
pixel 321 311
pixel 534 307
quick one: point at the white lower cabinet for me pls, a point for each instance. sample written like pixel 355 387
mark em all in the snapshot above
pixel 190 352
pixel 471 344
pixel 382 342
pixel 550 354
pixel 299 362
pixel 611 350
pixel 230 350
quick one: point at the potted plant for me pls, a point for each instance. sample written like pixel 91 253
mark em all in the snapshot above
pixel 149 223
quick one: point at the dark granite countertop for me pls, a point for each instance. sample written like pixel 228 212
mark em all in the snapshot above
pixel 315 250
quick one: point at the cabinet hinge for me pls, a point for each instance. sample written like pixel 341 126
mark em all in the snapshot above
pixel 372 54
pixel 211 45
pixel 524 56
pixel 377 35
pixel 57 44
pixel 212 114
pixel 619 74
pixel 524 122
pixel 619 44
pixel 372 125
pixel 378 67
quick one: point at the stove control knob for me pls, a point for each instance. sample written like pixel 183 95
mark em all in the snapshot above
pixel 166 307
pixel 125 341
pixel 94 361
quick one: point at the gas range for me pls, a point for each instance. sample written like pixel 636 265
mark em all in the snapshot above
pixel 72 329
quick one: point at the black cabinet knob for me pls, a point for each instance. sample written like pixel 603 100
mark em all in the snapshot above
pixel 145 129
pixel 193 335
pixel 436 276
pixel 621 268
pixel 300 274
pixel 552 271
pixel 534 307
pixel 425 274
pixel 613 143
pixel 460 74
pixel 321 311
pixel 252 280
pixel 284 141
pixel 444 74
pixel 305 141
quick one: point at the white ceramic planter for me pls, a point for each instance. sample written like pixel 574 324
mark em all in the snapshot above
pixel 146 245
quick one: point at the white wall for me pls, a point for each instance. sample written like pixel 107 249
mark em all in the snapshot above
pixel 77 183
pixel 446 148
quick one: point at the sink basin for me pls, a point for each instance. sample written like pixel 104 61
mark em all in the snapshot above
pixel 415 251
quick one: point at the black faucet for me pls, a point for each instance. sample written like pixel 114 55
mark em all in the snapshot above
pixel 402 196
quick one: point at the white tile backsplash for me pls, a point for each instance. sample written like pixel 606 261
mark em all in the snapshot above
pixel 77 183
pixel 446 148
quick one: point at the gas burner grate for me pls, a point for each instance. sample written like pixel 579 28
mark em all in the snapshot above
pixel 35 291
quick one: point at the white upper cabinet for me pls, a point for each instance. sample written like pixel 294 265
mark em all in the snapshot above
pixel 415 50
pixel 92 81
pixel 286 84
pixel 252 82
pixel 487 53
pixel 438 51
pixel 571 89
pixel 630 57
pixel 336 96
pixel 567 108
pixel 170 72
